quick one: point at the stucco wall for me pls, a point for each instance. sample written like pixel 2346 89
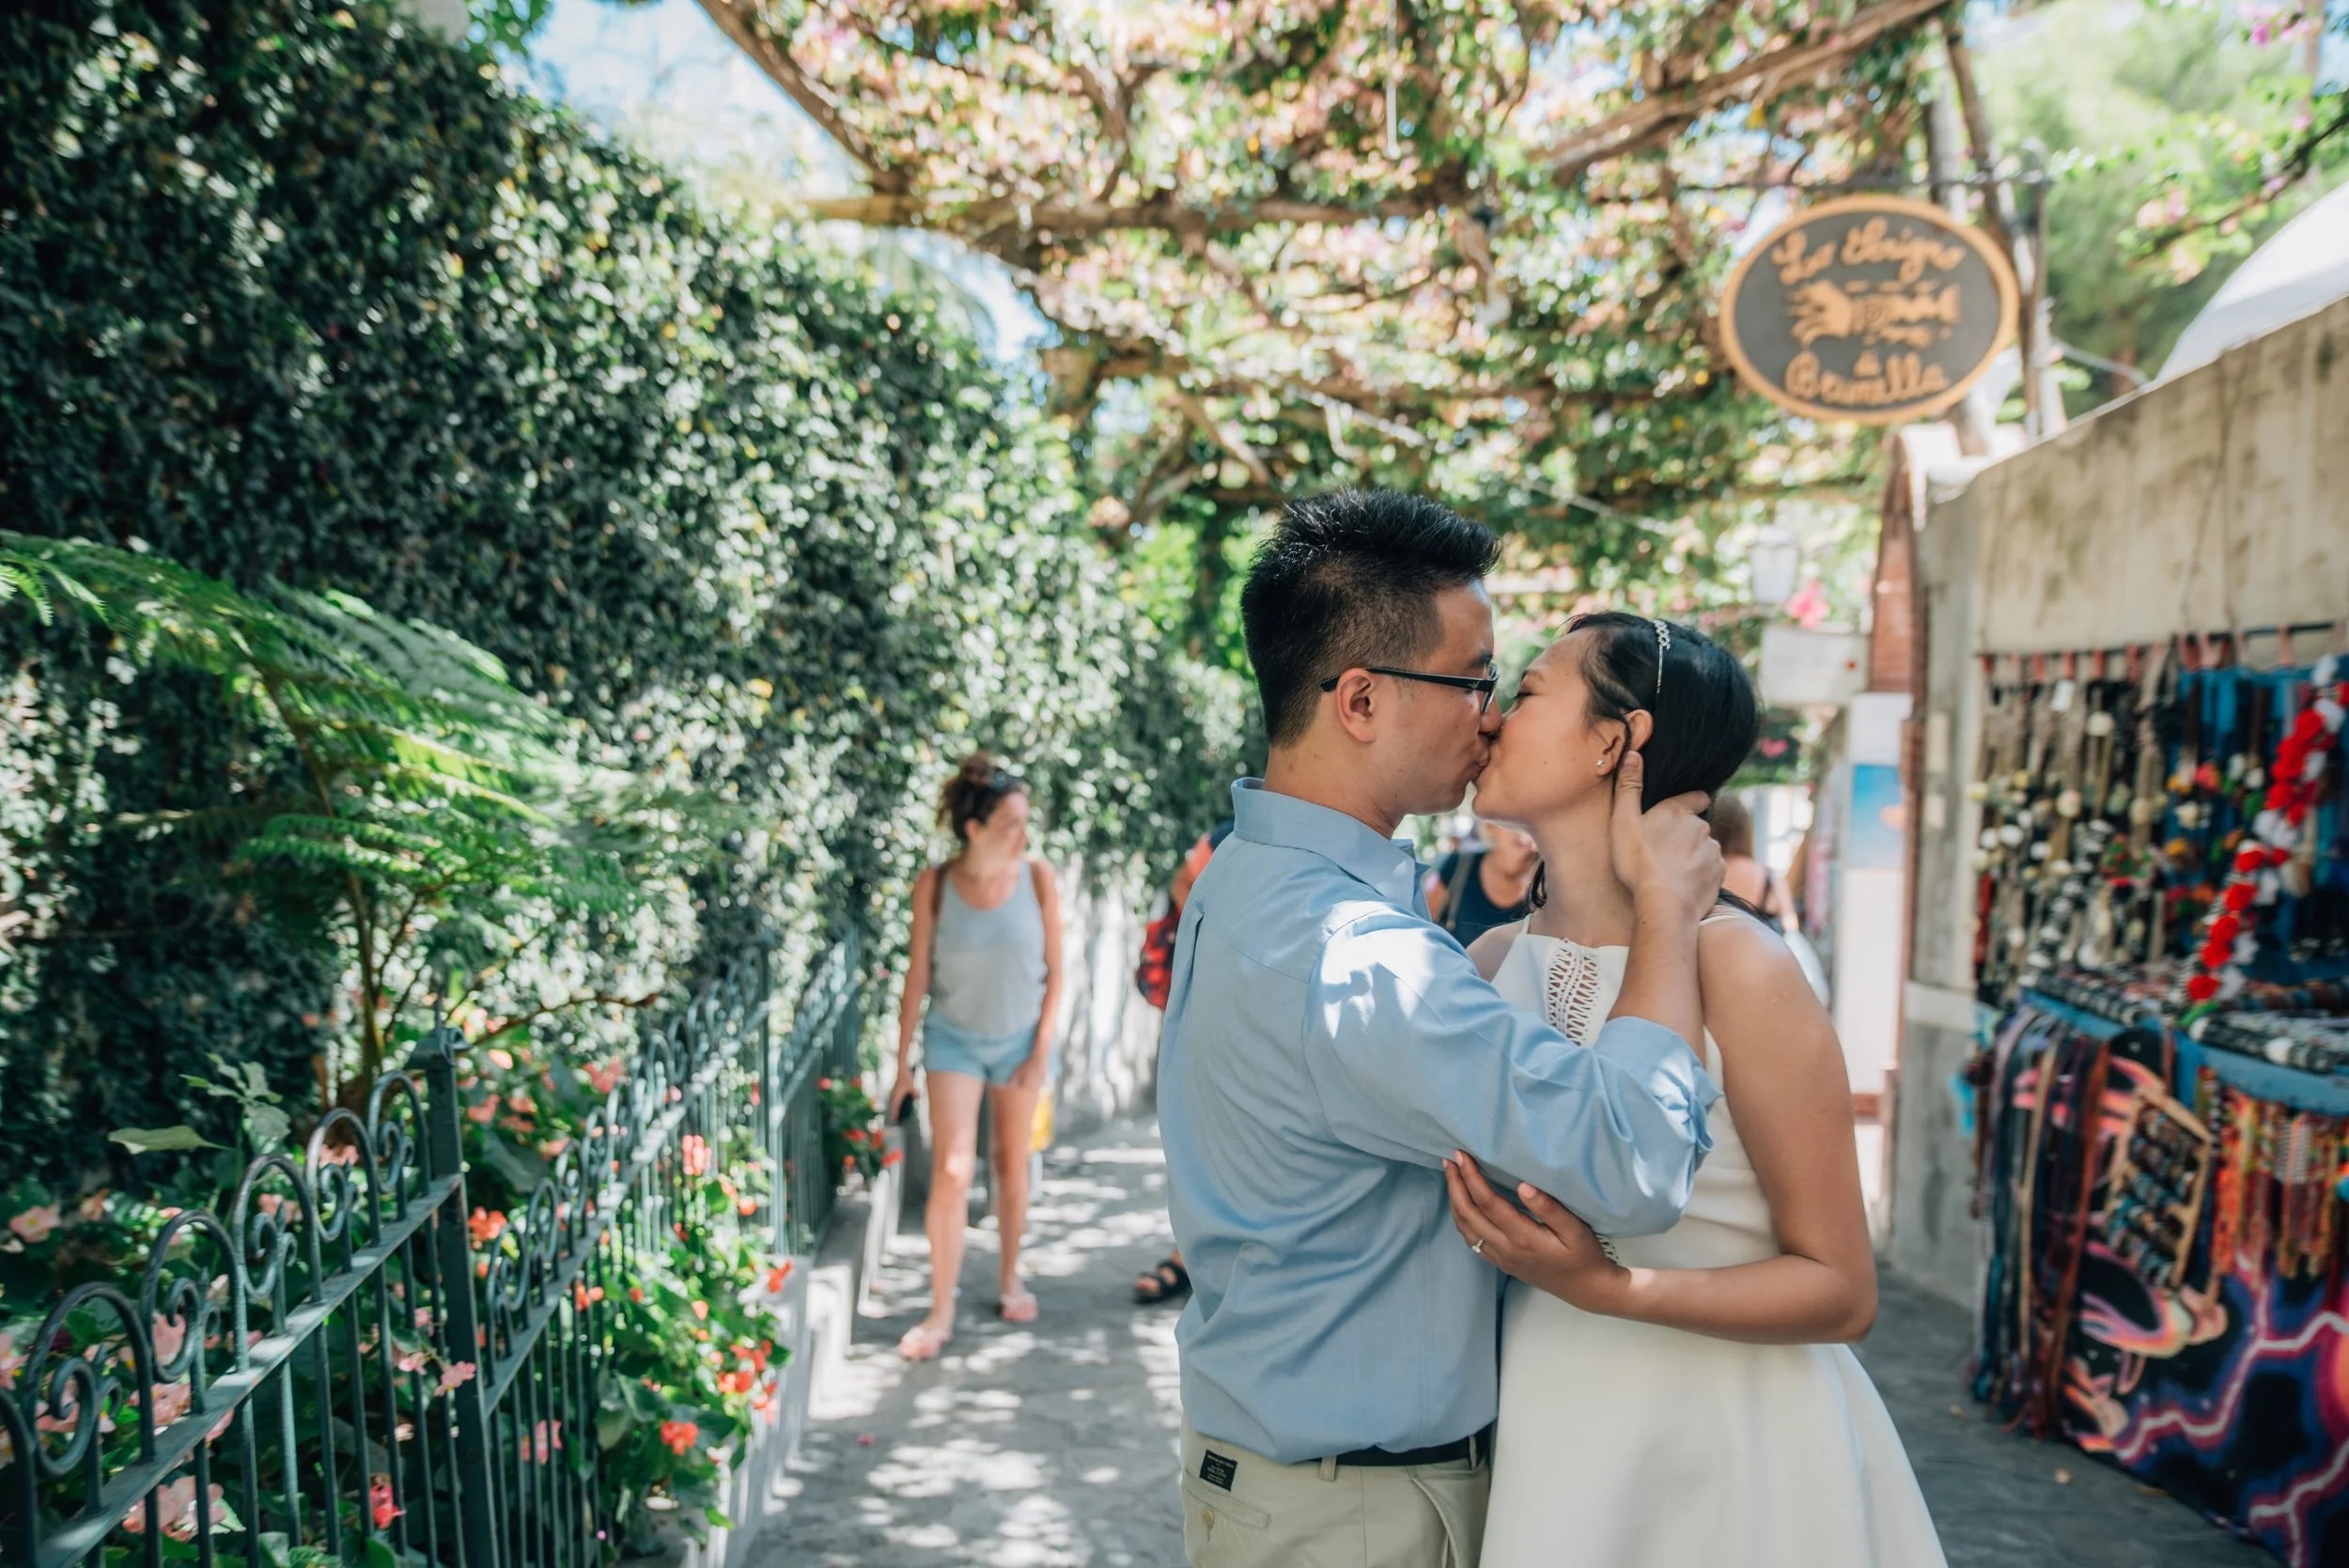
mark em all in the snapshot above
pixel 2217 502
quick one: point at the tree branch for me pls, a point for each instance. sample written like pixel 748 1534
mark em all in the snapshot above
pixel 1663 114
pixel 738 21
pixel 1161 215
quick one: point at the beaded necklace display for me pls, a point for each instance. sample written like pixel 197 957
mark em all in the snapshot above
pixel 2254 880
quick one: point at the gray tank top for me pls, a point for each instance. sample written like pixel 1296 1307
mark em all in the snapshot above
pixel 987 965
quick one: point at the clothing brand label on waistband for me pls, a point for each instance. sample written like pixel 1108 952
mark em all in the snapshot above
pixel 1216 1471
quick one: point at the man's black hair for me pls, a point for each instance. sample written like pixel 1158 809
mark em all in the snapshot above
pixel 1351 579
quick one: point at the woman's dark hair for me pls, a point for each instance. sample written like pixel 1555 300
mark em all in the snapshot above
pixel 1704 716
pixel 973 793
pixel 1731 825
pixel 1348 579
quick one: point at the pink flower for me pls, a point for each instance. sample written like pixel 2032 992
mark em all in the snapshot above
pixel 33 1226
pixel 604 1075
pixel 9 1361
pixel 499 1057
pixel 93 1209
pixel 695 1148
pixel 166 1339
pixel 169 1402
pixel 411 1361
pixel 380 1503
pixel 485 1112
pixel 456 1376
pixel 546 1438
pixel 424 1317
pixel 485 1226
pixel 176 1505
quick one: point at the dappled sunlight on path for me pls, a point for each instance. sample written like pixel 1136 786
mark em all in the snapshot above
pixel 1046 1443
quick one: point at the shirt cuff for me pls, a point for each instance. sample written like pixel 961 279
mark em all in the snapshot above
pixel 1662 1061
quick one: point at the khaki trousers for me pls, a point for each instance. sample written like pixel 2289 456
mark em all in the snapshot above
pixel 1327 1515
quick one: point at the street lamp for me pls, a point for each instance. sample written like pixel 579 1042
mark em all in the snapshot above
pixel 1773 561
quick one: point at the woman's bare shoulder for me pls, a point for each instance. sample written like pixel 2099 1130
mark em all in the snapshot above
pixel 1732 945
pixel 1488 950
pixel 1754 988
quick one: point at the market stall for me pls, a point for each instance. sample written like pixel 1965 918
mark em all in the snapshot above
pixel 2161 1112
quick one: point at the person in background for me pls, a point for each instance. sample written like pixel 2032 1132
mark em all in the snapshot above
pixel 986 957
pixel 1168 1280
pixel 1483 883
pixel 1742 873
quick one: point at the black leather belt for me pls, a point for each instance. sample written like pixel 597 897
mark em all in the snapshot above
pixel 1470 1448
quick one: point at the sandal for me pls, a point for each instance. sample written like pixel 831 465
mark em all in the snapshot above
pixel 922 1341
pixel 1169 1282
pixel 1017 1309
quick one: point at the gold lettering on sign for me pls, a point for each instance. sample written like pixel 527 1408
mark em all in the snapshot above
pixel 1794 265
pixel 1824 310
pixel 1902 378
pixel 1868 242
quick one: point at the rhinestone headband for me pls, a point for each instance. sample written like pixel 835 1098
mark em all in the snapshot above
pixel 1663 646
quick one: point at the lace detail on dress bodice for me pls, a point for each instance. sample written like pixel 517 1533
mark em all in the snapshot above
pixel 1573 988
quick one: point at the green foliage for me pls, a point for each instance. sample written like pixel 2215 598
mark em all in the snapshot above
pixel 301 297
pixel 852 1128
pixel 427 805
pixel 1471 249
pixel 2147 113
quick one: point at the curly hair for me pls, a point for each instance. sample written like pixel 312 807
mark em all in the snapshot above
pixel 972 794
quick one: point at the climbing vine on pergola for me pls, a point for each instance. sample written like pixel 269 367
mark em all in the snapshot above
pixel 1466 245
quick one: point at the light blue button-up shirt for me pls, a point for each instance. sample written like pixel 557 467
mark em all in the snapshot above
pixel 1326 1047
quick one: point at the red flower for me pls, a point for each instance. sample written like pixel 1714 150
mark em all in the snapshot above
pixel 776 1276
pixel 2202 987
pixel 485 1226
pixel 2239 896
pixel 2226 928
pixel 380 1503
pixel 678 1436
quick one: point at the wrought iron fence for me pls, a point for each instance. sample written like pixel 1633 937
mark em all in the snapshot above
pixel 340 1371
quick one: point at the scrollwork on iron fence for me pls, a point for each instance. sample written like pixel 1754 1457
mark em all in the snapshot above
pixel 338 1369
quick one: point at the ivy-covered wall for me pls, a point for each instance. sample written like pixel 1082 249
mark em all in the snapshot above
pixel 296 291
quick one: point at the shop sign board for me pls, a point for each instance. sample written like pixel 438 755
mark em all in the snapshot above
pixel 1812 669
pixel 1875 310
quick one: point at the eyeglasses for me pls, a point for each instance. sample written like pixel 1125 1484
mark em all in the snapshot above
pixel 1483 686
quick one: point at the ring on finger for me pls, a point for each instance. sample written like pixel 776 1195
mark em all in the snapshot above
pixel 1477 1246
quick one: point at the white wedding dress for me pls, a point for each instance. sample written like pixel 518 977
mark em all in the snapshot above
pixel 1625 1445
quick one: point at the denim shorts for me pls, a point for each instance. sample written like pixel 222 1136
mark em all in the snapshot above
pixel 990 1058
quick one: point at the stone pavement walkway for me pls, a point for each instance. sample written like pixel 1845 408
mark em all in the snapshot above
pixel 1053 1443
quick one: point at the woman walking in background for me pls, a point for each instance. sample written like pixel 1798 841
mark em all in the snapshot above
pixel 1743 874
pixel 986 957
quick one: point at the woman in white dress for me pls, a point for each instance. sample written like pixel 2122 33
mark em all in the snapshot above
pixel 1690 1399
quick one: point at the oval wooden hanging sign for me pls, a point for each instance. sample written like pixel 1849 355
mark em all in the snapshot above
pixel 1874 310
